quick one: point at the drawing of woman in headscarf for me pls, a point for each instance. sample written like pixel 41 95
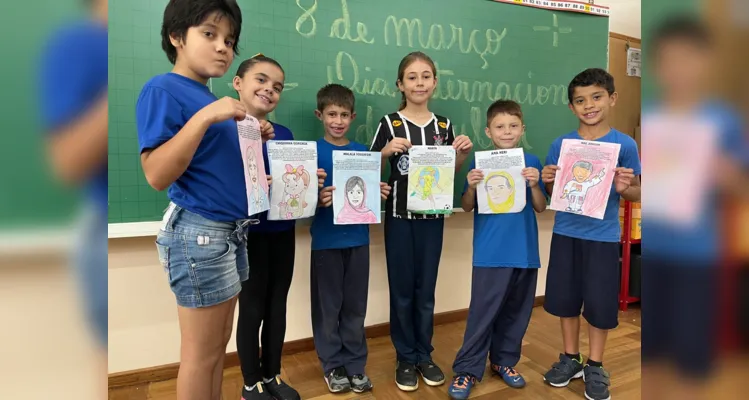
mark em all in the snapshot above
pixel 355 210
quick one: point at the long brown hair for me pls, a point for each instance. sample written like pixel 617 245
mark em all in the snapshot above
pixel 405 62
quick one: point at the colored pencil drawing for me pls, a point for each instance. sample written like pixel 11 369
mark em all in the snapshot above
pixel 296 183
pixel 584 180
pixel 258 189
pixel 355 210
pixel 576 189
pixel 500 191
pixel 430 188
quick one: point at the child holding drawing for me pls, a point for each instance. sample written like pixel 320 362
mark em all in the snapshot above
pixel 505 263
pixel 259 83
pixel 340 255
pixel 413 242
pixel 584 259
pixel 188 144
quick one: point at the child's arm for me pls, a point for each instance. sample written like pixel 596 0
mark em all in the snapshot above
pixel 166 163
pixel 468 201
pixel 538 198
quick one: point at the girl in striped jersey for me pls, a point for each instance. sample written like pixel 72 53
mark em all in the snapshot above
pixel 413 242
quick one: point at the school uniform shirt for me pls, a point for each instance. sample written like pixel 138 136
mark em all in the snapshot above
pixel 213 185
pixel 438 131
pixel 508 240
pixel 73 78
pixel 264 225
pixel 325 234
pixel 700 244
pixel 587 228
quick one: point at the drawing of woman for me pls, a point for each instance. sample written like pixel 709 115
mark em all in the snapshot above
pixel 354 210
pixel 296 183
pixel 428 181
pixel 500 192
pixel 258 196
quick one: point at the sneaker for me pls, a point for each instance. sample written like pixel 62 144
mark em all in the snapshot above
pixel 431 373
pixel 509 375
pixel 256 392
pixel 461 387
pixel 360 383
pixel 280 390
pixel 562 372
pixel 405 377
pixel 596 383
pixel 338 381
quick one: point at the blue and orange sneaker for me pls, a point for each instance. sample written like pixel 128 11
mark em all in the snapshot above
pixel 461 387
pixel 509 375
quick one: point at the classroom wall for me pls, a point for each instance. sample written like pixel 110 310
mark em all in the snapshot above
pixel 625 16
pixel 143 326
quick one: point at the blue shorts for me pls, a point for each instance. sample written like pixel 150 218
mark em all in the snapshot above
pixel 583 275
pixel 206 261
pixel 90 265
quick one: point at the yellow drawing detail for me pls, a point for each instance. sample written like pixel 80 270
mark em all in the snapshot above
pixel 500 193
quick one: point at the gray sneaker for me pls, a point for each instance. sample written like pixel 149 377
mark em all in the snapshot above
pixel 360 383
pixel 338 381
pixel 596 383
pixel 562 372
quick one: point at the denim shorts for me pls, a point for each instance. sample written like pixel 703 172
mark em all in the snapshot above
pixel 205 261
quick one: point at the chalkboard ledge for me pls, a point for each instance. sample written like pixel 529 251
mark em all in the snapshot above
pixel 150 228
pixel 133 229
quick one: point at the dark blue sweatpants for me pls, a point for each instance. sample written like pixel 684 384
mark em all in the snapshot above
pixel 339 283
pixel 500 310
pixel 412 249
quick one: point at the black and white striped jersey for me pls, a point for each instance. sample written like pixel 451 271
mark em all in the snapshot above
pixel 437 131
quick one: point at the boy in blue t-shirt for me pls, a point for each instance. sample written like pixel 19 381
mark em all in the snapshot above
pixel 584 258
pixel 339 275
pixel 505 266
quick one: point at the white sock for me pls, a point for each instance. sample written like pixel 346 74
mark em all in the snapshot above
pixel 249 389
pixel 268 380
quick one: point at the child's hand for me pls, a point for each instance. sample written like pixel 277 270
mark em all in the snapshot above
pixel 266 130
pixel 269 178
pixel 474 177
pixel 384 190
pixel 623 178
pixel 396 146
pixel 531 175
pixel 462 144
pixel 321 175
pixel 326 197
pixel 224 109
pixel 549 173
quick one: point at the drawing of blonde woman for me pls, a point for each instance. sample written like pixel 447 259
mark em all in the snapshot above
pixel 500 191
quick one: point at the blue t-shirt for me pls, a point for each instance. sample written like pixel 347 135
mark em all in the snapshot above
pixel 325 234
pixel 699 245
pixel 508 240
pixel 582 227
pixel 213 185
pixel 282 133
pixel 73 78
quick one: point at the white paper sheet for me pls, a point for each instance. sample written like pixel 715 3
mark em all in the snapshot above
pixel 356 177
pixel 503 188
pixel 251 146
pixel 293 166
pixel 583 182
pixel 431 179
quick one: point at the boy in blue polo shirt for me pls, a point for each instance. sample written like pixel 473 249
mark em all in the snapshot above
pixel 505 266
pixel 339 275
pixel 584 258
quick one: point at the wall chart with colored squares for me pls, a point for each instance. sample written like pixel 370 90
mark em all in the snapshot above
pixel 359 45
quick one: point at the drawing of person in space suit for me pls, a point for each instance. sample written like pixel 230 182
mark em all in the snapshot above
pixel 576 189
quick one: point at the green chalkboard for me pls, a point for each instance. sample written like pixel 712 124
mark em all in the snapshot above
pixel 30 195
pixel 484 51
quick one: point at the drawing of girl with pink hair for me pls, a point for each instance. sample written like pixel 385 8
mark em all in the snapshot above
pixel 296 183
pixel 354 210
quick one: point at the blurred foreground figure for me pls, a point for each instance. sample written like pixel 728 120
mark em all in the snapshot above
pixel 73 98
pixel 694 152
